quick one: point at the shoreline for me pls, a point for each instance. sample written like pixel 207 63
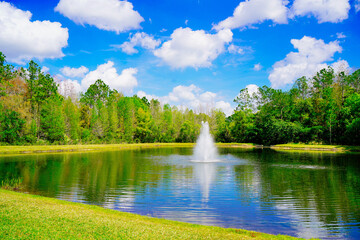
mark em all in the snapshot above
pixel 31 216
pixel 316 148
pixel 38 149
pixel 31 149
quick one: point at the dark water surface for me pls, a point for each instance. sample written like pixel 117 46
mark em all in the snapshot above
pixel 299 194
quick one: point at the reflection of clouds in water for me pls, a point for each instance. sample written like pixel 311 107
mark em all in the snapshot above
pixel 205 175
pixel 196 215
pixel 315 167
pixel 73 194
pixel 306 221
pixel 123 201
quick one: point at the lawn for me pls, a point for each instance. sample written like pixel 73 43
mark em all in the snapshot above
pixel 316 147
pixel 102 147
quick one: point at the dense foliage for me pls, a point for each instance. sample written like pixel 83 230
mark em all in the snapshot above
pixel 322 109
pixel 325 109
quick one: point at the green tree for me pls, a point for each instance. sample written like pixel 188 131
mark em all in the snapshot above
pixel 52 120
pixel 11 126
pixel 6 73
pixel 72 119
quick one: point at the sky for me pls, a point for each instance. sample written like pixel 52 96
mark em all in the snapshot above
pixel 193 53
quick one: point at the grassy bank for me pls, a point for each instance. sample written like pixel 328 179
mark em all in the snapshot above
pixel 24 216
pixel 102 147
pixel 309 147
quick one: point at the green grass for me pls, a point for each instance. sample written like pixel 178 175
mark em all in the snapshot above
pixel 102 147
pixel 315 147
pixel 24 216
pixel 11 184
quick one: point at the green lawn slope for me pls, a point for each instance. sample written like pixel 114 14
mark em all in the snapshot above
pixel 315 147
pixel 102 147
pixel 24 216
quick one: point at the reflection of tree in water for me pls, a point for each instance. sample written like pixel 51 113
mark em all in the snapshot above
pixel 95 177
pixel 303 183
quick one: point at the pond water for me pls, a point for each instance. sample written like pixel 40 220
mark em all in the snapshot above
pixel 298 194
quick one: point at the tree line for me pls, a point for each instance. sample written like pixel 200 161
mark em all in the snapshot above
pixel 322 109
pixel 33 112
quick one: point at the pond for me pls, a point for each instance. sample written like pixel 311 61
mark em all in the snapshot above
pixel 295 193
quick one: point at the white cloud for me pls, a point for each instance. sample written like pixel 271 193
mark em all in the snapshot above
pixel 257 67
pixel 110 15
pixel 192 97
pixel 139 39
pixel 357 6
pixel 225 107
pixel 251 12
pixel 22 39
pixel 188 48
pixel 233 49
pixel 252 89
pixel 142 94
pixel 341 66
pixel 182 94
pixel 69 88
pixel 324 10
pixel 310 58
pixel 340 35
pixel 45 69
pixel 74 72
pixel 124 82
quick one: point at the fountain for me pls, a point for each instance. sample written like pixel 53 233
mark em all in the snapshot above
pixel 205 149
pixel 205 154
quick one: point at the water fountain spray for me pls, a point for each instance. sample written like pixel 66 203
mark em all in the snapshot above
pixel 205 149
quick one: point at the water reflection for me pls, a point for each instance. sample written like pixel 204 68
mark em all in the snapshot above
pixel 300 194
pixel 205 175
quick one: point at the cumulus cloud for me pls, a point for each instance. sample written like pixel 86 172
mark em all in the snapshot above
pixel 45 69
pixel 188 48
pixel 341 66
pixel 310 58
pixel 124 82
pixel 257 67
pixel 225 107
pixel 323 10
pixel 69 88
pixel 22 39
pixel 110 15
pixel 251 12
pixel 139 39
pixel 192 97
pixel 74 72
pixel 252 89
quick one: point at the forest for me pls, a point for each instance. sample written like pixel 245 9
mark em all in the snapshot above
pixel 322 109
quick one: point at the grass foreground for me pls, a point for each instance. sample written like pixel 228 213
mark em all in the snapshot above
pixel 102 147
pixel 314 147
pixel 24 216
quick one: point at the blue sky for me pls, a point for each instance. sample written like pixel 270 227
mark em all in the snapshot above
pixel 192 53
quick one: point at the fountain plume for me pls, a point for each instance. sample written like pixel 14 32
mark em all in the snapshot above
pixel 205 149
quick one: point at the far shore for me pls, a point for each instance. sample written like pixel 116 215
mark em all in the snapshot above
pixel 103 147
pixel 31 149
pixel 316 147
